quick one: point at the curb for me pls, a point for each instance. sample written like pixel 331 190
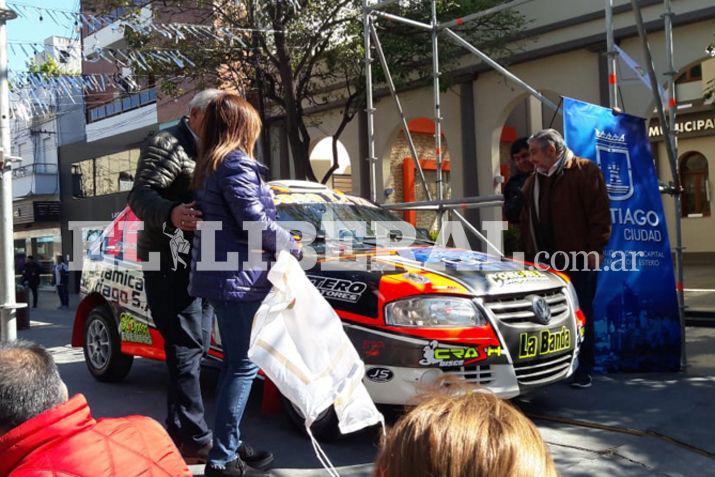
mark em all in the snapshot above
pixel 704 317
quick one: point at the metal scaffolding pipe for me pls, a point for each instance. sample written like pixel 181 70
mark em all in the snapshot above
pixel 672 111
pixel 483 13
pixel 437 109
pixel 400 111
pixel 463 203
pixel 611 57
pixel 369 108
pixel 399 19
pixel 476 232
pixel 485 58
pixel 668 135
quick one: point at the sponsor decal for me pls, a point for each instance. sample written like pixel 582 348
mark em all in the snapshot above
pixel 449 356
pixel 490 351
pixel 132 330
pixel 338 289
pixel 372 349
pixel 502 279
pixel 379 375
pixel 124 287
pixel 544 342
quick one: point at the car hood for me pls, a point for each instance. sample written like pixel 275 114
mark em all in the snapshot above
pixel 482 273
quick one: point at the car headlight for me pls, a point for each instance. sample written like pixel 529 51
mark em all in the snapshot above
pixel 434 312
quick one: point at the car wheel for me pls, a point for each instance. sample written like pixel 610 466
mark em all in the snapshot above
pixel 102 347
pixel 325 427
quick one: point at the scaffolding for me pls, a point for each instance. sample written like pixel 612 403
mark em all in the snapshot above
pixel 371 14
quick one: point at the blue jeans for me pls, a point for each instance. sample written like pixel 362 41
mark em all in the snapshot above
pixel 237 373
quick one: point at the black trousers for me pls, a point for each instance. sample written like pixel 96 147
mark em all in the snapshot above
pixel 585 284
pixel 64 295
pixel 33 287
pixel 185 324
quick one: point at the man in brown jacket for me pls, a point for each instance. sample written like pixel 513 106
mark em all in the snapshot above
pixel 566 210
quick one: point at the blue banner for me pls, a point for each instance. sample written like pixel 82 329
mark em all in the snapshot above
pixel 636 309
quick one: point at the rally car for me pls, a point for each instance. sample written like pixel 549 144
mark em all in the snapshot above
pixel 416 314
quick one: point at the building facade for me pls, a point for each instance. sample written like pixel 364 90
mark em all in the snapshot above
pixel 563 55
pixel 54 119
pixel 97 171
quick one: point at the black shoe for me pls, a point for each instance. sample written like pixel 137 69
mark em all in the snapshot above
pixel 257 459
pixel 195 455
pixel 235 468
pixel 581 381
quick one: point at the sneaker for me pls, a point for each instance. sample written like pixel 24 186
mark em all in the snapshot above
pixel 257 459
pixel 193 455
pixel 235 468
pixel 581 381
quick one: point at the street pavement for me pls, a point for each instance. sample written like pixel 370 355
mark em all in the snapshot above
pixel 626 424
pixel 699 282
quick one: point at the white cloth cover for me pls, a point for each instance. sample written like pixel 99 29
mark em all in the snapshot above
pixel 298 341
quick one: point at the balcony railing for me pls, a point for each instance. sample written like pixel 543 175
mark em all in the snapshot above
pixel 121 105
pixel 36 168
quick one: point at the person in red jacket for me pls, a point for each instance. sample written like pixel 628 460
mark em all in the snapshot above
pixel 43 433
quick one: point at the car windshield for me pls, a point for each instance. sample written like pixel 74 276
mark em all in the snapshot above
pixel 342 213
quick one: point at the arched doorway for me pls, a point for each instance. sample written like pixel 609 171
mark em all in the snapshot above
pixel 321 159
pixel 402 182
pixel 526 116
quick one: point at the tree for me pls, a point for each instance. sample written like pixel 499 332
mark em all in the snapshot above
pixel 49 67
pixel 303 54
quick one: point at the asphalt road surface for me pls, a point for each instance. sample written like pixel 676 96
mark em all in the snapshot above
pixel 625 425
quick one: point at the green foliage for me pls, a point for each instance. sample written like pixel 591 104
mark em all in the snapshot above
pixel 312 56
pixel 48 68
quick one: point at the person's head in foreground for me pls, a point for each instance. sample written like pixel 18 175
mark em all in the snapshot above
pixel 29 383
pixel 42 432
pixel 464 433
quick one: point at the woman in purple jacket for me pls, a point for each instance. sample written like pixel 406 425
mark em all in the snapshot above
pixel 230 191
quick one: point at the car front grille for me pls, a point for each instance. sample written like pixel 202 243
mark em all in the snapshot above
pixel 516 308
pixel 474 374
pixel 543 370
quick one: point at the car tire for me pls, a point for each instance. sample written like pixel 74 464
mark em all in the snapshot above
pixel 102 346
pixel 325 428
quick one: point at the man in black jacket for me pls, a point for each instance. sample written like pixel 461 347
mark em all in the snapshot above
pixel 31 277
pixel 162 199
pixel 513 199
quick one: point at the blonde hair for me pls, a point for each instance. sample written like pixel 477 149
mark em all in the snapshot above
pixel 464 434
pixel 230 123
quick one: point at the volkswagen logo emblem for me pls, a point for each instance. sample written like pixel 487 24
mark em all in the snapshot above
pixel 541 309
